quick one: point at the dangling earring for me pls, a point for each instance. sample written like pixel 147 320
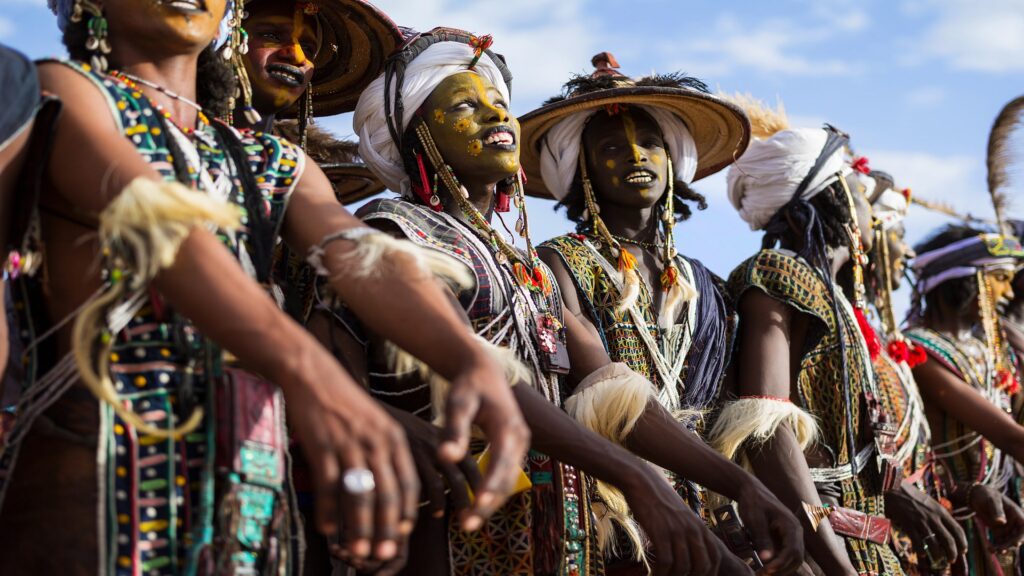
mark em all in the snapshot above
pixel 97 44
pixel 233 51
pixel 305 115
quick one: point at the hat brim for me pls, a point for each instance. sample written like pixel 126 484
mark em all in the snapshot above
pixel 352 181
pixel 720 129
pixel 357 38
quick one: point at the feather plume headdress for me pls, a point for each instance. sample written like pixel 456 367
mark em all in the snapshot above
pixel 1001 156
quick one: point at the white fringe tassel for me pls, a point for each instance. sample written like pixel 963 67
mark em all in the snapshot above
pixel 373 252
pixel 750 422
pixel 610 401
pixel 143 228
pixel 679 294
pixel 630 290
pixel 402 362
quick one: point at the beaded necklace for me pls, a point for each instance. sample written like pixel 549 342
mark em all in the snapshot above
pixel 133 82
pixel 528 270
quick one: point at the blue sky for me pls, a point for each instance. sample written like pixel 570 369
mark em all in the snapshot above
pixel 917 83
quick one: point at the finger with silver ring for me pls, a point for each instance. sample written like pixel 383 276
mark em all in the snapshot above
pixel 358 481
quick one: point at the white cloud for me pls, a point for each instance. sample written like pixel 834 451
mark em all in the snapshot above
pixel 545 42
pixel 771 46
pixel 986 37
pixel 957 180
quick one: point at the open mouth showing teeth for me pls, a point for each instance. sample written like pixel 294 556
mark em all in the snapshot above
pixel 186 5
pixel 500 137
pixel 640 177
pixel 288 75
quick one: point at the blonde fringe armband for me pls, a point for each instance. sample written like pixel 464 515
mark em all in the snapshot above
pixel 753 421
pixel 610 401
pixel 376 251
pixel 140 233
pixel 402 362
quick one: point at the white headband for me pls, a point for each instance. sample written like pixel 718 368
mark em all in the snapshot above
pixel 890 208
pixel 422 76
pixel 560 148
pixel 766 177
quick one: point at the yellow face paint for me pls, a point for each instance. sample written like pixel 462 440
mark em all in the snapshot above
pixel 298 23
pixel 438 115
pixel 616 181
pixel 630 126
pixel 481 92
pixel 610 164
pixel 475 147
pixel 462 125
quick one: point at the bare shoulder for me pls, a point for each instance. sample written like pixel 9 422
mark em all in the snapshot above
pixel 755 304
pixel 81 98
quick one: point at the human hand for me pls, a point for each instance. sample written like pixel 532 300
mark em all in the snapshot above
pixel 480 396
pixel 680 542
pixel 461 478
pixel 343 431
pixel 932 530
pixel 1001 515
pixel 775 531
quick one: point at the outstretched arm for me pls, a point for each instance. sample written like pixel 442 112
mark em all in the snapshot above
pixel 941 388
pixel 660 438
pixel 340 427
pixel 768 336
pixel 408 307
pixel 680 541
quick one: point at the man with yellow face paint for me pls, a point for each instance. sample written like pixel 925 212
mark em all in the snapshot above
pixel 312 58
pixel 967 385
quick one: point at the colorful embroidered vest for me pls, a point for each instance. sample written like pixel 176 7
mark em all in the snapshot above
pixel 819 388
pixel 548 528
pixel 179 506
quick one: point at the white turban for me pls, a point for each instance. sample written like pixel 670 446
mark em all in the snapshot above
pixel 422 76
pixel 560 148
pixel 765 178
pixel 890 209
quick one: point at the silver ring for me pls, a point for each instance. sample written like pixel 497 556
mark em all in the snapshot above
pixel 358 481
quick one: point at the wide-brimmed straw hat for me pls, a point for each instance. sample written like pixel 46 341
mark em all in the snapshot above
pixel 720 129
pixel 352 181
pixel 356 38
pixel 338 158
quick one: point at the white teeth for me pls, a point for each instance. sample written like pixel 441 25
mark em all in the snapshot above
pixel 185 4
pixel 503 138
pixel 639 178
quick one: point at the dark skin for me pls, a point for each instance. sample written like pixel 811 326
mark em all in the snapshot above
pixel 899 253
pixel 911 510
pixel 627 161
pixel 771 344
pixel 946 395
pixel 347 433
pixel 282 45
pixel 465 110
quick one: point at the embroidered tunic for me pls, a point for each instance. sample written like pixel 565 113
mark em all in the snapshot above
pixel 547 529
pixel 663 357
pixel 178 506
pixel 819 390
pixel 901 400
pixel 964 456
